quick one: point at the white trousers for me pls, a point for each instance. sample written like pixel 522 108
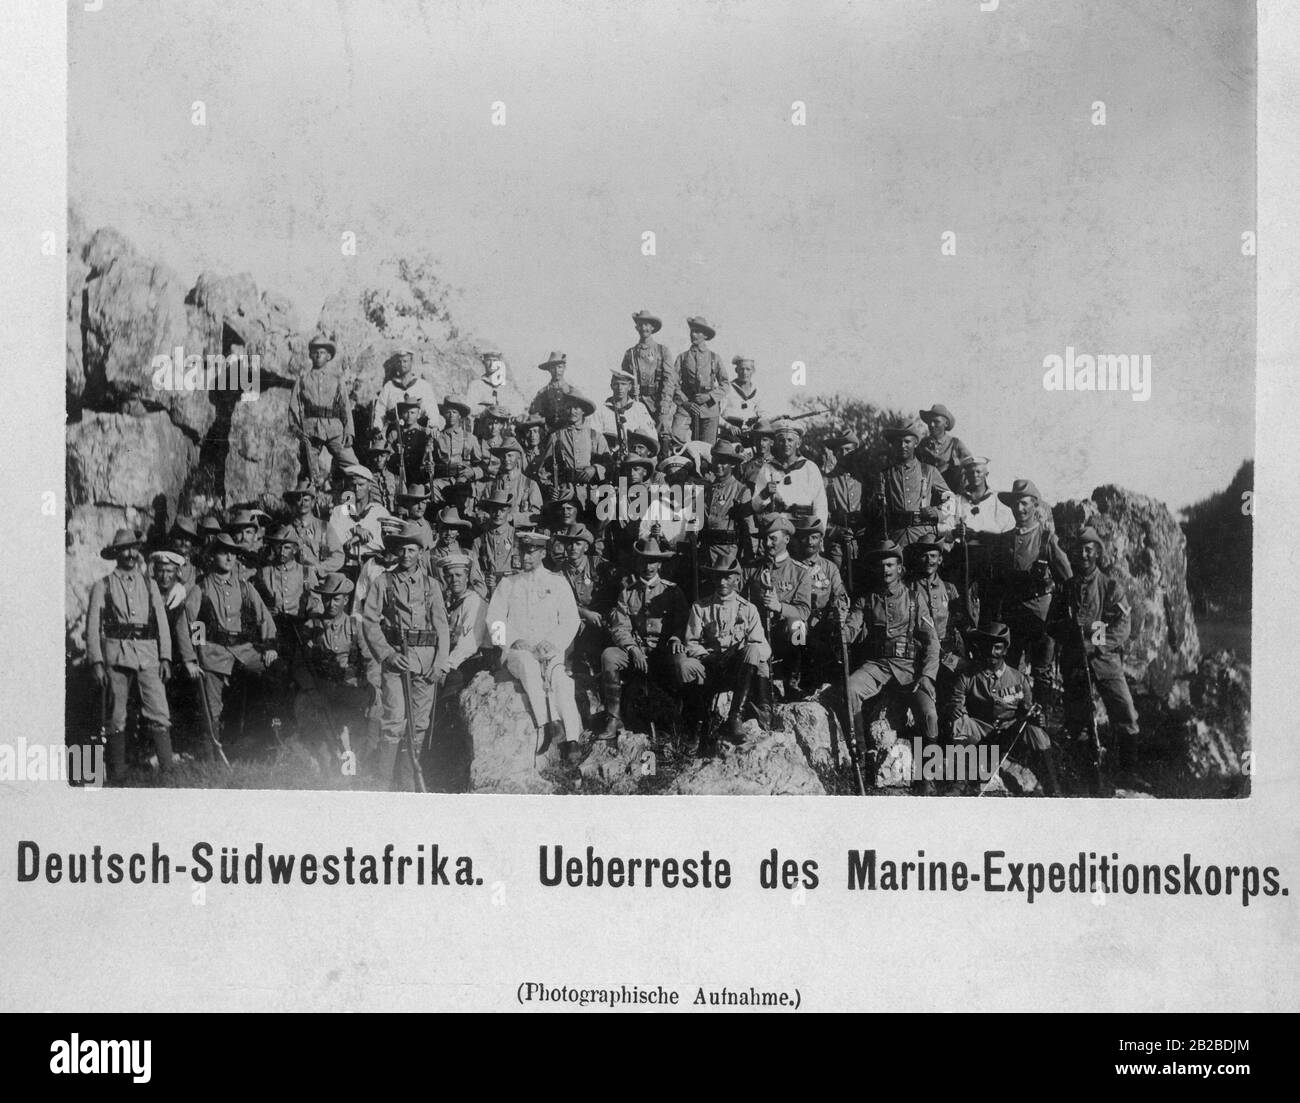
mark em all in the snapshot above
pixel 553 683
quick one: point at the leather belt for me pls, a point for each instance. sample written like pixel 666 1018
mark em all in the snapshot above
pixel 130 632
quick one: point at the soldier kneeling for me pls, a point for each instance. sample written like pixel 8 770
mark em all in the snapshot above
pixel 993 699
pixel 724 646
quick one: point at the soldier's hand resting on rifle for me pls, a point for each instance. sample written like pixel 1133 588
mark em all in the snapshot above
pixel 100 674
pixel 165 670
pixel 192 671
pixel 399 662
pixel 771 601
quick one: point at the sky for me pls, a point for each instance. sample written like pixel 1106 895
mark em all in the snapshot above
pixel 820 243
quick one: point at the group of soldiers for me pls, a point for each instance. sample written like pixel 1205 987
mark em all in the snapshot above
pixel 673 535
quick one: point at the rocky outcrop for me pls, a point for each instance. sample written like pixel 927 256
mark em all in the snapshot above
pixel 1217 725
pixel 503 735
pixel 139 454
pixel 1147 554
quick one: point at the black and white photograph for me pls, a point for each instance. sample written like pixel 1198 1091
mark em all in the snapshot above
pixel 815 440
pixel 724 415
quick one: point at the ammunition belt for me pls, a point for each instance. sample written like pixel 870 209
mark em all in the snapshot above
pixel 130 632
pixel 900 647
pixel 414 637
pixel 320 412
pixel 229 639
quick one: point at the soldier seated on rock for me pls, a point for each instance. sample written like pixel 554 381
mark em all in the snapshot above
pixel 646 630
pixel 901 645
pixel 590 592
pixel 828 603
pixel 724 648
pixel 533 618
pixel 987 702
pixel 1090 618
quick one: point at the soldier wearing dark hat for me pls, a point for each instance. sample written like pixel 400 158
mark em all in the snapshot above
pixel 696 387
pixel 910 500
pixel 320 413
pixel 985 700
pixel 1091 619
pixel 620 532
pixel 843 502
pixel 590 594
pixel 332 669
pixel 1028 564
pixel 404 624
pixel 940 449
pixel 938 600
pixel 494 548
pixel 724 647
pixel 902 648
pixel 575 454
pixel 184 539
pixel 828 600
pixel 529 434
pixel 237 630
pixel 457 455
pixel 760 443
pixel 285 586
pixel 452 537
pixel 318 547
pixel 650 365
pixel 647 626
pixel 513 481
pixel 728 529
pixel 780 587
pixel 416 447
pixel 129 641
pixel 549 403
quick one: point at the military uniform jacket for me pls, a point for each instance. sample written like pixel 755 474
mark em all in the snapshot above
pixel 233 617
pixel 944 456
pixel 128 611
pixel 936 599
pixel 651 366
pixel 404 605
pixel 571 450
pixel 1096 603
pixel 457 445
pixel 494 550
pixel 319 406
pixel 286 589
pixel 416 453
pixel 792 582
pixel 698 376
pixel 333 650
pixel 1013 562
pixel 826 590
pixel 799 483
pixel 648 615
pixel 721 628
pixel 991 696
pixel 521 490
pixel 446 547
pixel 908 489
pixel 318 546
pixel 725 506
pixel 583 581
pixel 550 403
pixel 844 500
pixel 533 606
pixel 898 632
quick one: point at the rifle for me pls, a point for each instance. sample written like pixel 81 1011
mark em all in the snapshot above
pixel 408 741
pixel 1035 713
pixel 401 459
pixel 852 728
pixel 207 712
pixel 694 538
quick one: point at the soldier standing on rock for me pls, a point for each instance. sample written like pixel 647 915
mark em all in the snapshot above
pixel 129 640
pixel 646 629
pixel 726 534
pixel 941 450
pixel 1091 619
pixel 550 402
pixel 724 647
pixel 696 387
pixel 843 503
pixel 404 624
pixel 404 385
pixel 910 498
pixel 320 413
pixel 901 643
pixel 650 364
pixel 533 618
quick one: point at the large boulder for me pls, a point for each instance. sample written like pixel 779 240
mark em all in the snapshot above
pixel 503 735
pixel 120 460
pixel 262 459
pixel 766 764
pixel 1147 554
pixel 1218 729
